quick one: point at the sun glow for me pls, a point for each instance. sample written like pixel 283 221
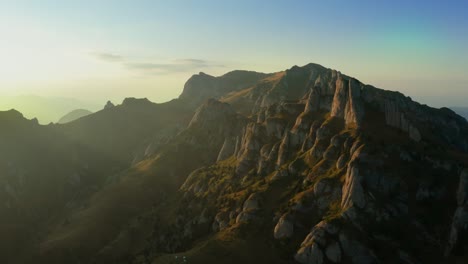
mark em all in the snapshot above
pixel 29 55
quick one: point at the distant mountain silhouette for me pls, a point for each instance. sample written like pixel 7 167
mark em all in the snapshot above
pixel 74 115
pixel 45 109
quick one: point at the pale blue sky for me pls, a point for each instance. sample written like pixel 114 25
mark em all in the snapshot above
pixel 98 50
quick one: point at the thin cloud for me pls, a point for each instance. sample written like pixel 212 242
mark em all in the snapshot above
pixel 109 57
pixel 192 61
pixel 177 66
pixel 157 67
pixel 148 67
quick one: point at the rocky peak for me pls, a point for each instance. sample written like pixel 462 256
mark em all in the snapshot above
pixel 108 105
pixel 203 86
pixel 327 90
pixel 346 101
pixel 198 87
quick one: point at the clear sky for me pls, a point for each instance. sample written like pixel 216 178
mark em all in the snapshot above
pixel 98 50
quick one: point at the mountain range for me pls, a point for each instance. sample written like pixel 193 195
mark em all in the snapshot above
pixel 306 165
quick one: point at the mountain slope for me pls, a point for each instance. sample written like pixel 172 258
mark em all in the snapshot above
pixel 44 174
pixel 107 143
pixel 48 172
pixel 307 165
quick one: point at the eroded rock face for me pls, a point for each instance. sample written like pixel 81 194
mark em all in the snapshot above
pixel 249 209
pixel 313 100
pixel 309 255
pixel 221 221
pixel 320 245
pixel 395 118
pixel 228 149
pixel 458 240
pixel 283 150
pixel 353 192
pixel 312 134
pixel 252 140
pixel 252 203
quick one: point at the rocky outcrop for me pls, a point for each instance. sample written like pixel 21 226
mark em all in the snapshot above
pixel 353 192
pixel 249 209
pixel 320 245
pixel 285 227
pixel 309 255
pixel 221 221
pixel 252 140
pixel 283 150
pixel 313 100
pixel 330 243
pixel 252 203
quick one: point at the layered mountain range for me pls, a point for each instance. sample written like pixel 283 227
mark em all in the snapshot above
pixel 304 166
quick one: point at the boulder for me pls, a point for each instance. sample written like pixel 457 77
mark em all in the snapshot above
pixel 285 227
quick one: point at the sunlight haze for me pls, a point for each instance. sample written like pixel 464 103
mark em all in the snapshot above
pixel 233 132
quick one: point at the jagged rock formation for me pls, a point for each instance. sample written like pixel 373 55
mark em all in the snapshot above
pixel 338 137
pixel 302 166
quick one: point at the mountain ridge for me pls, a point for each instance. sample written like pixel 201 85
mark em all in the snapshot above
pixel 305 166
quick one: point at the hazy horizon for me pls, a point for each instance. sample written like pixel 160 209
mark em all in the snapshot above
pixel 50 108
